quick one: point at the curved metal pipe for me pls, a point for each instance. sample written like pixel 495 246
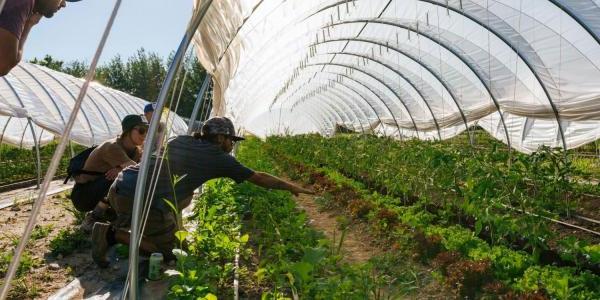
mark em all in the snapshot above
pixel 198 102
pixel 411 57
pixel 339 99
pixel 4 129
pixel 521 56
pixel 456 54
pixel 382 83
pixel 359 94
pixel 413 85
pixel 341 83
pixel 97 107
pixel 87 120
pixel 62 118
pixel 14 264
pixel 577 19
pixel 347 105
pixel 320 125
pixel 333 112
pixel 114 100
pixel 324 102
pixel 140 188
pixel 326 115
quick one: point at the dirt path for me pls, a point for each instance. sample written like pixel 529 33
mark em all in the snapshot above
pixel 45 272
pixel 357 246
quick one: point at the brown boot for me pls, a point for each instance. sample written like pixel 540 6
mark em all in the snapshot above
pixel 100 244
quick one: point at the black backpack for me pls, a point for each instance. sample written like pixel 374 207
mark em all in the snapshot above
pixel 77 162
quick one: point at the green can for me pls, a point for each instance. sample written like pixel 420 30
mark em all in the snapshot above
pixel 156 260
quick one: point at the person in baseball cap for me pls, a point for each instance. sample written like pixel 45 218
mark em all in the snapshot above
pixel 220 125
pixel 16 20
pixel 103 165
pixel 131 121
pixel 149 110
pixel 194 160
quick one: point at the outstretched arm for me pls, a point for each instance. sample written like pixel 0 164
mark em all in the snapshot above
pixel 271 182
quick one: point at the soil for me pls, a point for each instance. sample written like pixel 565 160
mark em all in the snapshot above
pixel 50 273
pixel 357 247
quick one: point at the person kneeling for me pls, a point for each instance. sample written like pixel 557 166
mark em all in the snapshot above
pixel 194 160
pixel 102 167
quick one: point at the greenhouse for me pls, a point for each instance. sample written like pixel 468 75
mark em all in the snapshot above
pixel 433 150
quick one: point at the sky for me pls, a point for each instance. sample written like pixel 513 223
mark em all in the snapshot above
pixel 74 32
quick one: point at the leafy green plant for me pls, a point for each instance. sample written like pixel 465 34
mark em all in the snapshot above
pixel 69 240
pixel 560 283
pixel 40 232
pixel 27 263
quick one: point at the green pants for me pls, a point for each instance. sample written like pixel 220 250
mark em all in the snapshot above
pixel 160 226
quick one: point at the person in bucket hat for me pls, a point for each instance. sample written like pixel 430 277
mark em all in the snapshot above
pixel 193 160
pixel 103 165
pixel 16 20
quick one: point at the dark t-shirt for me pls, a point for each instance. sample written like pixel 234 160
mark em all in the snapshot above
pixel 193 161
pixel 15 14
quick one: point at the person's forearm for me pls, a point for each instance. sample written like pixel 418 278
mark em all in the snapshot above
pixel 272 182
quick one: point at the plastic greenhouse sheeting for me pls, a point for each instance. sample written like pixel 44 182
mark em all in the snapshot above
pixel 527 71
pixel 36 102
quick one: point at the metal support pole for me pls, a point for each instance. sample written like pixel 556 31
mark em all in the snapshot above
pixel 2 5
pixel 12 269
pixel 136 230
pixel 37 153
pixel 197 104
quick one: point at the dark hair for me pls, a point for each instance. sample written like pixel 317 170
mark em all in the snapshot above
pixel 126 133
pixel 209 138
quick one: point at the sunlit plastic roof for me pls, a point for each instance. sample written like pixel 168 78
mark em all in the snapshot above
pixel 36 102
pixel 528 72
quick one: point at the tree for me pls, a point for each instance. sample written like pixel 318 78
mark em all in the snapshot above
pixel 141 76
pixel 114 75
pixel 49 62
pixel 76 68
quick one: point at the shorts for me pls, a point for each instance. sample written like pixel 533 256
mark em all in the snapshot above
pixel 160 226
pixel 85 196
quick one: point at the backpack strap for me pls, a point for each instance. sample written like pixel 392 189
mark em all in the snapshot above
pixel 69 175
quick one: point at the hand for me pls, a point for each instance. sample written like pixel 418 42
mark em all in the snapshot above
pixel 300 190
pixel 112 173
pixel 34 19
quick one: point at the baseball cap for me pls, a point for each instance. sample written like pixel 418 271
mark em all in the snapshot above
pixel 72 0
pixel 130 121
pixel 220 125
pixel 149 107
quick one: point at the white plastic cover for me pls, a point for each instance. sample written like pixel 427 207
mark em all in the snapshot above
pixel 527 71
pixel 36 102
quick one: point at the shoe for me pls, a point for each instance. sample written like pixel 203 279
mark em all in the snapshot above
pixel 88 222
pixel 100 244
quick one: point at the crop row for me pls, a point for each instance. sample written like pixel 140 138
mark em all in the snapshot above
pixel 431 203
pixel 280 255
pixel 21 164
pixel 471 188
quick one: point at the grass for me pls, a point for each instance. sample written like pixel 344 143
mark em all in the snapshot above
pixel 40 232
pixel 68 241
pixel 27 263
